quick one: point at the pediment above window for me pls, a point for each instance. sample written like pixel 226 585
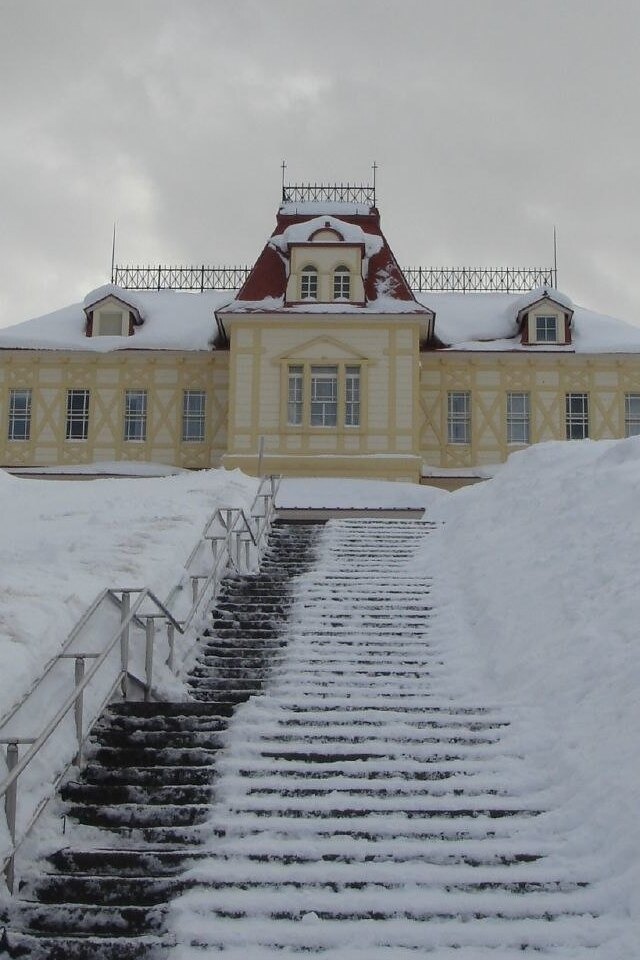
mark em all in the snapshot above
pixel 323 348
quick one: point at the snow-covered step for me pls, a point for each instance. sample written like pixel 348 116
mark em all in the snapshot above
pixel 359 808
pixel 139 810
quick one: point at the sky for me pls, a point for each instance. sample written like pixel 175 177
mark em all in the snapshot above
pixel 491 122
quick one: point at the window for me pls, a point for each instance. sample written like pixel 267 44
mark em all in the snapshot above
pixel 459 417
pixel 77 414
pixel 517 418
pixel 632 415
pixel 309 284
pixel 193 413
pixel 577 416
pixel 324 396
pixel 135 415
pixel 546 330
pixel 295 396
pixel 110 323
pixel 352 397
pixel 20 414
pixel 341 283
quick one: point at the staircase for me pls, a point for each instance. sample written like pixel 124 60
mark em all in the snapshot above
pixel 139 808
pixel 362 811
pixel 354 807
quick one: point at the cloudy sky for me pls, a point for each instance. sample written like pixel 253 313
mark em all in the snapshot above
pixel 490 120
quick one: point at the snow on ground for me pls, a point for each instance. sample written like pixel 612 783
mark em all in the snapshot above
pixel 63 542
pixel 537 589
pixel 345 494
pixel 114 468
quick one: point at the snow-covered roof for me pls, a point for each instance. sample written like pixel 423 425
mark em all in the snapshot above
pixel 350 232
pixel 185 321
pixel 488 321
pixel 173 321
pixel 130 297
pixel 544 293
pixel 385 286
pixel 382 304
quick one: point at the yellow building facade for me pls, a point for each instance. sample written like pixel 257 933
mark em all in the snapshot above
pixel 324 363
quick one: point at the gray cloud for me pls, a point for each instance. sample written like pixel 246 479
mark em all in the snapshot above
pixel 490 121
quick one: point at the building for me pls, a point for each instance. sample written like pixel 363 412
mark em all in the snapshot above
pixel 328 360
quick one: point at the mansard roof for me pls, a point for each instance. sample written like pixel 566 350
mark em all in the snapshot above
pixel 385 286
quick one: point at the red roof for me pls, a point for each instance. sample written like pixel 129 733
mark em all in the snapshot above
pixel 268 277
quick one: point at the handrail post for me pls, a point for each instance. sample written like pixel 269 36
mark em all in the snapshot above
pixel 195 581
pixel 11 806
pixel 247 554
pixel 124 645
pixel 171 640
pixel 78 708
pixel 150 629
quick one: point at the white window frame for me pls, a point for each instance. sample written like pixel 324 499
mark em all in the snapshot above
pixel 135 417
pixel 632 414
pixel 352 396
pixel 324 396
pixel 77 423
pixel 19 427
pixel 295 395
pixel 194 410
pixel 518 418
pixel 549 329
pixel 342 283
pixel 104 314
pixel 459 416
pixel 577 416
pixel 309 283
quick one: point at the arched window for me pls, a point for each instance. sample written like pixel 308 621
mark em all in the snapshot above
pixel 341 283
pixel 309 284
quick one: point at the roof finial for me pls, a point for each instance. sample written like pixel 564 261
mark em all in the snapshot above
pixel 374 168
pixel 284 167
pixel 555 257
pixel 113 253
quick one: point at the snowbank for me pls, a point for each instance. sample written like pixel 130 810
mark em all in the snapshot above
pixel 63 542
pixel 536 589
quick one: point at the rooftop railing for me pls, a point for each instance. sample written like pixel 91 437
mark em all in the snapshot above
pixel 361 193
pixel 420 279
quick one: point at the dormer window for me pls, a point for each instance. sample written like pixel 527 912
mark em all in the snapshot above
pixel 546 319
pixel 546 329
pixel 112 312
pixel 309 284
pixel 111 323
pixel 341 283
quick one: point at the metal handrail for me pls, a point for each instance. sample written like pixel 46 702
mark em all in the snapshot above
pixel 230 548
pixel 4 719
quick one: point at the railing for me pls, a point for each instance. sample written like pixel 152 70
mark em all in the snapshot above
pixel 232 540
pixel 479 279
pixel 420 279
pixel 329 193
pixel 180 278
